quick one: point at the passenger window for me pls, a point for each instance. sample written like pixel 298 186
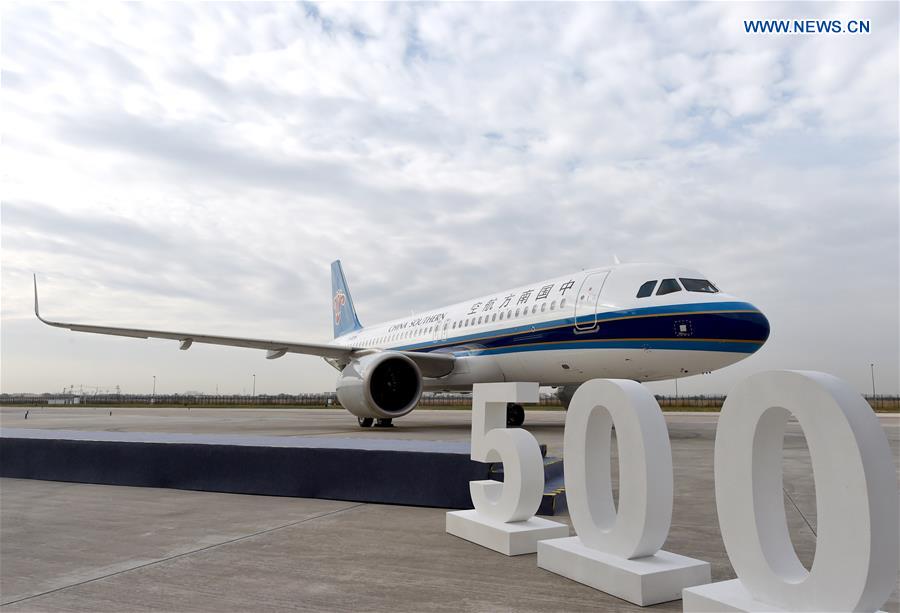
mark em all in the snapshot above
pixel 647 289
pixel 543 307
pixel 562 303
pixel 668 286
pixel 509 314
pixel 479 319
pixel 699 285
pixel 494 317
pixel 553 305
pixel 501 315
pixel 534 309
pixel 517 312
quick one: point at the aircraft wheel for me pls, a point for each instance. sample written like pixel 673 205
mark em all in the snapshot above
pixel 515 415
pixel 365 422
pixel 384 423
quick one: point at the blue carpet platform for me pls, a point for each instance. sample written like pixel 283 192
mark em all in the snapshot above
pixel 407 472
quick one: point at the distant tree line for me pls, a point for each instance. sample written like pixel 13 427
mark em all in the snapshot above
pixel 879 403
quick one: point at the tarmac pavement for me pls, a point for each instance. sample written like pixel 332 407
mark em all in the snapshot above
pixel 76 547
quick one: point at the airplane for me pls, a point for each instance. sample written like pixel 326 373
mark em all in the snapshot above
pixel 645 322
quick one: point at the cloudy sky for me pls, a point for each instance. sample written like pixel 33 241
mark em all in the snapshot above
pixel 197 166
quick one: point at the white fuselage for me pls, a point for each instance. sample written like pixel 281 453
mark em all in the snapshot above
pixel 577 327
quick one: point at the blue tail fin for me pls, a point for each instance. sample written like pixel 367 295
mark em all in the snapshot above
pixel 345 319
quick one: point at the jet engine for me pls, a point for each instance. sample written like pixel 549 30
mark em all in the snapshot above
pixel 383 385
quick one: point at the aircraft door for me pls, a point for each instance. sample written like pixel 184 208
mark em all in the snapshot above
pixel 440 330
pixel 586 302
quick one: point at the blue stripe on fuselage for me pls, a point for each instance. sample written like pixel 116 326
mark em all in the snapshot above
pixel 680 345
pixel 716 326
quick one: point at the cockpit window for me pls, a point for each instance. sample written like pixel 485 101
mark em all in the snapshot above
pixel 646 289
pixel 699 285
pixel 668 286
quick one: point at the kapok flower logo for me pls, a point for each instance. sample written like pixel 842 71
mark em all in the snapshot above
pixel 339 300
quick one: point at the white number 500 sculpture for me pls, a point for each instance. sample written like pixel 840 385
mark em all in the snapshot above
pixel 856 561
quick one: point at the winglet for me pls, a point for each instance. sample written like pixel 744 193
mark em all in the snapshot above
pixel 37 310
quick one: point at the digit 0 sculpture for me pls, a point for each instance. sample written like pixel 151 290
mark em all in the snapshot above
pixel 856 561
pixel 619 553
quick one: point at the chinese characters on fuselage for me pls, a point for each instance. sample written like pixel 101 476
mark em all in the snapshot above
pixel 544 293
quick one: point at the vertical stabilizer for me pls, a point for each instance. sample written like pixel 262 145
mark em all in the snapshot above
pixel 343 313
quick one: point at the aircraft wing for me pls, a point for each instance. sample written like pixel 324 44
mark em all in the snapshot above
pixel 431 364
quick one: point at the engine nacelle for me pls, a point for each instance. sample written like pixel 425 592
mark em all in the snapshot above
pixel 383 385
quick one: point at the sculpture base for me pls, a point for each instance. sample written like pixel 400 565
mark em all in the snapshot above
pixel 512 539
pixel 724 596
pixel 642 581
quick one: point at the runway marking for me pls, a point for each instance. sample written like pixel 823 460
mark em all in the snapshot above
pixel 186 553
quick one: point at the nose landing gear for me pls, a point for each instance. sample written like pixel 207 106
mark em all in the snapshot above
pixel 515 415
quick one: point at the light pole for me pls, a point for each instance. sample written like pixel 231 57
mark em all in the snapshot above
pixel 254 385
pixel 154 385
pixel 676 391
pixel 872 368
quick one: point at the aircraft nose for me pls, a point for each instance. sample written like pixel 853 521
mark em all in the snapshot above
pixel 759 328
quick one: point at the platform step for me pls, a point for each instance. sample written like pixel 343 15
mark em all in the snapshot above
pixel 408 472
pixel 553 468
pixel 554 500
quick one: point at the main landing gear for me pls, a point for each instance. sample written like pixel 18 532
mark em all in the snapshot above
pixel 515 415
pixel 368 422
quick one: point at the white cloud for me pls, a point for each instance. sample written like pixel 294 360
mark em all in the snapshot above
pixel 200 164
